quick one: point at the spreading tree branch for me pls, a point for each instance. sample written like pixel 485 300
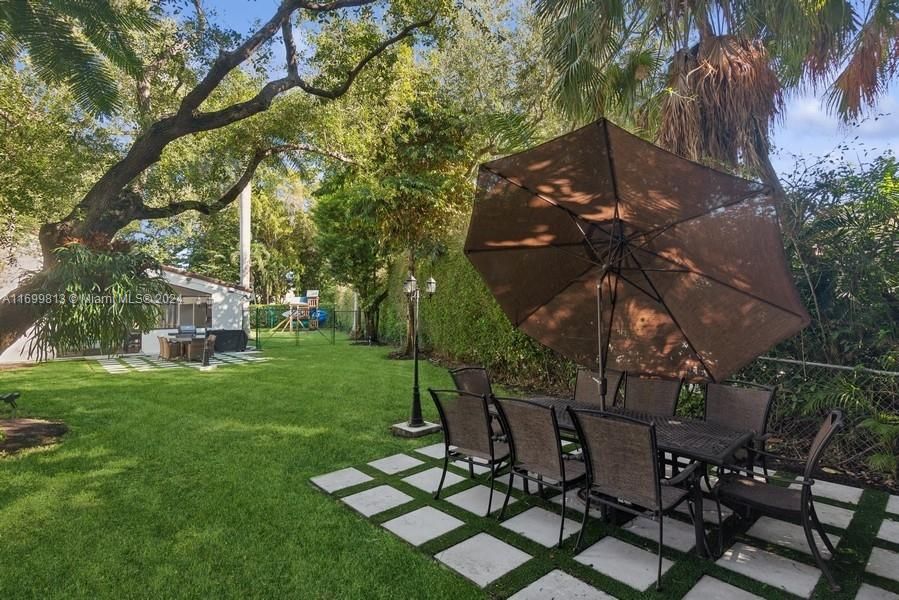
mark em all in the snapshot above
pixel 176 208
pixel 290 49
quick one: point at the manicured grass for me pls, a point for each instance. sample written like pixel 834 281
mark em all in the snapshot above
pixel 182 483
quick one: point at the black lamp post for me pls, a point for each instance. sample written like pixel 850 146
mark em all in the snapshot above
pixel 413 292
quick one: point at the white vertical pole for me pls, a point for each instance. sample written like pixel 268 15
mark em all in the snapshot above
pixel 245 239
pixel 355 330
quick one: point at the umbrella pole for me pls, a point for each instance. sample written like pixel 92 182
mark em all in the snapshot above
pixel 603 382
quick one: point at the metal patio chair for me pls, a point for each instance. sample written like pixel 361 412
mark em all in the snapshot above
pixel 780 502
pixel 467 434
pixel 586 387
pixel 536 450
pixel 742 408
pixel 656 397
pixel 621 456
pixel 473 380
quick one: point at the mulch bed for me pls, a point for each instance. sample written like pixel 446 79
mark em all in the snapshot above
pixel 19 434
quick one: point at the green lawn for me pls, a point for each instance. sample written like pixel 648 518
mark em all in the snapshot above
pixel 182 483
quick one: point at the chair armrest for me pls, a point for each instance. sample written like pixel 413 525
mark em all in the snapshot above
pixel 682 476
pixel 746 471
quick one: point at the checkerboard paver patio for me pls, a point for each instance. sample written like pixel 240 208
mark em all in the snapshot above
pixel 489 554
pixel 144 363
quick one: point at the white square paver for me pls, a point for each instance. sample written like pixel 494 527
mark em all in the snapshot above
pixel 676 534
pixel 884 563
pixel 437 450
pixel 833 491
pixel 889 531
pixel 573 501
pixel 422 525
pixel 619 560
pixel 475 500
pixel 789 535
pixel 893 505
pixel 709 588
pixel 430 479
pixel 869 592
pixel 767 567
pixel 541 526
pixel 377 500
pixel 395 464
pixel 344 478
pixel 559 585
pixel 482 559
pixel 834 516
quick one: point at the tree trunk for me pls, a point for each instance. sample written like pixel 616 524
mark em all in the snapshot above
pixel 370 314
pixel 17 317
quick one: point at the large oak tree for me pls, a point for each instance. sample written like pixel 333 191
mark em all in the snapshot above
pixel 117 199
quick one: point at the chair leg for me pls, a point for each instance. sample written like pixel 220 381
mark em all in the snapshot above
pixel 659 574
pixel 492 482
pixel 806 526
pixel 509 493
pixel 821 532
pixel 580 535
pixel 471 468
pixel 443 476
pixel 562 526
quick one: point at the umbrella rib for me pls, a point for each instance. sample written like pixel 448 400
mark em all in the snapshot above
pixel 676 324
pixel 719 282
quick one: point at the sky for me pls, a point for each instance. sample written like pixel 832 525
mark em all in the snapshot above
pixel 806 128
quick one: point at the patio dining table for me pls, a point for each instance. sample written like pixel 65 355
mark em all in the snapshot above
pixel 693 439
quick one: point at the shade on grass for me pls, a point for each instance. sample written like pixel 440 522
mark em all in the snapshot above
pixel 181 483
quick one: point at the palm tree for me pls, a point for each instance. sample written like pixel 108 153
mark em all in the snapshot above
pixel 75 42
pixel 707 78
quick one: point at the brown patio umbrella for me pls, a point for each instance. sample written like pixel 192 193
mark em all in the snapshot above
pixel 682 265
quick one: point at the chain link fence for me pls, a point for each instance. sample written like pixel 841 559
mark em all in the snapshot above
pixel 807 391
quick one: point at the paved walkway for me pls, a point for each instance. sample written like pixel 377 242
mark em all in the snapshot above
pixel 515 558
pixel 146 362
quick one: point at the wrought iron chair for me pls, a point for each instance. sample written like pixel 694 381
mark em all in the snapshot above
pixel 536 450
pixel 586 387
pixel 656 397
pixel 796 506
pixel 467 435
pixel 742 408
pixel 621 456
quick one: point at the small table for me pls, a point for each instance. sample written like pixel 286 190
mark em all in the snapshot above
pixel 690 438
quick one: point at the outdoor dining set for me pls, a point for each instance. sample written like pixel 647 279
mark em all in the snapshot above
pixel 188 344
pixel 635 456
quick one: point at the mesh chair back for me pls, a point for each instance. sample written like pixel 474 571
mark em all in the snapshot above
pixel 586 387
pixel 465 420
pixel 533 436
pixel 656 397
pixel 621 456
pixel 210 342
pixel 473 380
pixel 832 424
pixel 739 408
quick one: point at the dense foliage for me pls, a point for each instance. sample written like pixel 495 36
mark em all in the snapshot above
pixel 95 299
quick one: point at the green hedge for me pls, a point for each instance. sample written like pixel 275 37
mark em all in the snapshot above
pixel 463 323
